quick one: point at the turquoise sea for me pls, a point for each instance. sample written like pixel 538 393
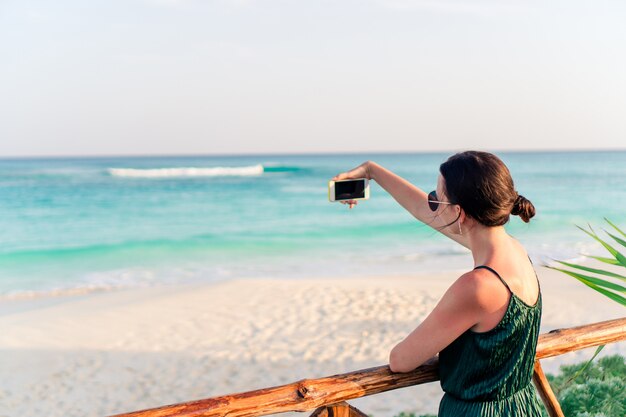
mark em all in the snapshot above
pixel 83 224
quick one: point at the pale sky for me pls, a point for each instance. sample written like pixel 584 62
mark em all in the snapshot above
pixel 150 77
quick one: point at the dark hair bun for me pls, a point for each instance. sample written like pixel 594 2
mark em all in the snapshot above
pixel 523 208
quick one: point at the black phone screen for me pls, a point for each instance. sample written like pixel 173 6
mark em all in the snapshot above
pixel 348 190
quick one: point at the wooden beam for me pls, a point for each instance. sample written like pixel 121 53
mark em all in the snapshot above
pixel 303 395
pixel 309 394
pixel 560 341
pixel 545 392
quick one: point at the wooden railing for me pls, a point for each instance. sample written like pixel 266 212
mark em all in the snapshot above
pixel 328 395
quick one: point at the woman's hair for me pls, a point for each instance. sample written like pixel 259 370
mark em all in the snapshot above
pixel 482 185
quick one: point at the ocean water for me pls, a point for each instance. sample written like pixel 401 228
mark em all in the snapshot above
pixel 85 224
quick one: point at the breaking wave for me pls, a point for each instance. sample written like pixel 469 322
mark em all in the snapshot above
pixel 247 171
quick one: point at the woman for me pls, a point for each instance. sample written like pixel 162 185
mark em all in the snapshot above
pixel 485 327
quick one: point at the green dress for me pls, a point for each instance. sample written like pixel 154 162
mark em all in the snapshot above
pixel 489 374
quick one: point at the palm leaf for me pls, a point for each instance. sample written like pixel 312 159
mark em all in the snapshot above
pixel 611 261
pixel 617 239
pixel 595 281
pixel 600 285
pixel 607 288
pixel 615 297
pixel 615 227
pixel 594 270
pixel 618 256
pixel 580 371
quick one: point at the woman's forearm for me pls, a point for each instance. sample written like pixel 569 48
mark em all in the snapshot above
pixel 406 194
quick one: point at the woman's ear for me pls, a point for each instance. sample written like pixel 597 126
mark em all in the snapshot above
pixel 461 215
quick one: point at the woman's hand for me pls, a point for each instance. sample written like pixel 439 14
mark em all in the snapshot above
pixel 362 171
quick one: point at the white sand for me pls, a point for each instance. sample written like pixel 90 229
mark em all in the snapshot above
pixel 106 353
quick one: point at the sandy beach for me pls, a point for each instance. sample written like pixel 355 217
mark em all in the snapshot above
pixel 105 353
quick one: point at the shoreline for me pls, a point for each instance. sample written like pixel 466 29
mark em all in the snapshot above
pixel 428 254
pixel 111 352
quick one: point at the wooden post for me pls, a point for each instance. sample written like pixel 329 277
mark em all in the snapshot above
pixel 545 392
pixel 355 412
pixel 342 409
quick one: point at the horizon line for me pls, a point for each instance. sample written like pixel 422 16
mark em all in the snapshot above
pixel 316 153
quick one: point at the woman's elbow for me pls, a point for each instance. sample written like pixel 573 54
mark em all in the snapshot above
pixel 398 363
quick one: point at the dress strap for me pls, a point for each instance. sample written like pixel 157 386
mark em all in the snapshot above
pixel 533 266
pixel 498 275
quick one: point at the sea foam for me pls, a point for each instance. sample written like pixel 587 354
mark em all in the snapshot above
pixel 246 171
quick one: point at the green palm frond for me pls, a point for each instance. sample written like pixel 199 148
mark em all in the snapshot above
pixel 593 280
pixel 615 227
pixel 617 239
pixel 608 288
pixel 594 270
pixel 621 259
pixel 610 261
pixel 603 286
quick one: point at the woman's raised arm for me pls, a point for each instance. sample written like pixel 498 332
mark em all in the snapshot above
pixel 413 199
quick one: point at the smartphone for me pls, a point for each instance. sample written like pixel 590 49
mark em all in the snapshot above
pixel 354 189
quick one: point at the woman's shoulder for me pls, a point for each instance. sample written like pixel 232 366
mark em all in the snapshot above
pixel 482 288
